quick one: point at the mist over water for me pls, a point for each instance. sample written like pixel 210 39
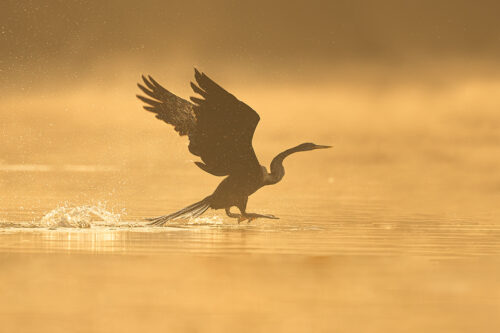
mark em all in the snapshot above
pixel 396 225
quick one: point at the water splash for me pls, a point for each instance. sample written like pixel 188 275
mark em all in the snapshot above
pixel 206 220
pixel 79 217
pixel 100 218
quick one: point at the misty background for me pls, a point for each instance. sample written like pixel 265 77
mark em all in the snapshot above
pixel 71 41
pixel 405 91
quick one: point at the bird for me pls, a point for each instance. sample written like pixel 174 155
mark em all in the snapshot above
pixel 220 129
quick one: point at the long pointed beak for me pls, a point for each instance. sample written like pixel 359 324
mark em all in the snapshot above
pixel 322 147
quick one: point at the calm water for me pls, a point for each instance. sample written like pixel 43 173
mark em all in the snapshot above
pixel 394 230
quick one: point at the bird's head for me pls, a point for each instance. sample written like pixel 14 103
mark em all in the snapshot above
pixel 310 146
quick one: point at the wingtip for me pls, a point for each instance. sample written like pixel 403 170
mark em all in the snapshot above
pixel 198 101
pixel 153 81
pixel 197 73
pixel 141 98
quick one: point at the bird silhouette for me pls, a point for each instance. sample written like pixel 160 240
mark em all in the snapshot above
pixel 220 129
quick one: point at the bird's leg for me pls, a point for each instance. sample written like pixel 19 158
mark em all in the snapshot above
pixel 253 216
pixel 244 215
pixel 233 215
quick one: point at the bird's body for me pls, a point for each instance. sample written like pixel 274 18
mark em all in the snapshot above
pixel 235 190
pixel 220 130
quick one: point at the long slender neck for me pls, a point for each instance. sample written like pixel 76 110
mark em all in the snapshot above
pixel 277 169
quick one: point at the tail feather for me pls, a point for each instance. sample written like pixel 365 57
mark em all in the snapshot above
pixel 190 211
pixel 201 210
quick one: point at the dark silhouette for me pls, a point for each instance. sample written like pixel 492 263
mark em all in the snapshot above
pixel 220 129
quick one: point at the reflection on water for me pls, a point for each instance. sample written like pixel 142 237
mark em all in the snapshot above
pixel 422 236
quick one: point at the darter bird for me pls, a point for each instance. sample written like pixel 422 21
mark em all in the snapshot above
pixel 220 129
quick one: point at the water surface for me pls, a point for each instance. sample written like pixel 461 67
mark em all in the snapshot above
pixel 395 229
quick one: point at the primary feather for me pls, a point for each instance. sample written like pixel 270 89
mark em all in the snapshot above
pixel 219 126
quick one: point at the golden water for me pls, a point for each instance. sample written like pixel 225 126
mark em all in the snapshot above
pixel 395 229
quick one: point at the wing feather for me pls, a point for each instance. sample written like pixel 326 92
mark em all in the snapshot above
pixel 168 107
pixel 220 127
pixel 197 90
pixel 225 128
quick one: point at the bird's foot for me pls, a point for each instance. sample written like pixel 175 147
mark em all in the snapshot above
pixel 245 217
pixel 252 216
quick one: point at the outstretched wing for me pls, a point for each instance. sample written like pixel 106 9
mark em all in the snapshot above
pixel 168 107
pixel 219 126
pixel 224 130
